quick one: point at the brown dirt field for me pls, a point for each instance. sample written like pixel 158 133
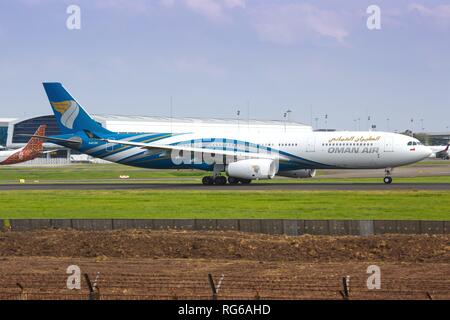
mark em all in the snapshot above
pixel 148 264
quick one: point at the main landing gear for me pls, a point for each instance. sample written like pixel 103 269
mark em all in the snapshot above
pixel 222 180
pixel 219 180
pixel 210 180
pixel 388 179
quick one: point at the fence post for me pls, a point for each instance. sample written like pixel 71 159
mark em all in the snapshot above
pixel 213 286
pixel 346 288
pixel 93 295
pixel 23 295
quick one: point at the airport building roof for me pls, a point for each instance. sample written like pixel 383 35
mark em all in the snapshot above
pixel 4 122
pixel 112 117
pixel 121 123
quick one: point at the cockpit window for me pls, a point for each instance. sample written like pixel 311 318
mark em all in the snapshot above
pixel 410 143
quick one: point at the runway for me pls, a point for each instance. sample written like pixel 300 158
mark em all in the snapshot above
pixel 251 187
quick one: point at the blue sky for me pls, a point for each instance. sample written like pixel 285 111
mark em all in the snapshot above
pixel 215 57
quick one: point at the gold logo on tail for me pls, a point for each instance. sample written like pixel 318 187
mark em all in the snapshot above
pixel 69 111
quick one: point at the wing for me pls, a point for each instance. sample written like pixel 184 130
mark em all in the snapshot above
pixel 153 146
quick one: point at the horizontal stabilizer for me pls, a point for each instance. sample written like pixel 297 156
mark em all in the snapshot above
pixel 73 143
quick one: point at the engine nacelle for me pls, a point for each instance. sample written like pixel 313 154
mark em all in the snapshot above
pixel 301 174
pixel 252 169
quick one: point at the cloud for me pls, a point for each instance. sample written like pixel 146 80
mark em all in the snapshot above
pixel 234 3
pixel 440 13
pixel 167 3
pixel 210 9
pixel 213 10
pixel 200 65
pixel 32 3
pixel 290 23
pixel 133 7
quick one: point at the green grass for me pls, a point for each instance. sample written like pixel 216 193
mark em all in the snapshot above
pixel 433 205
pixel 433 179
pixel 109 173
pixel 430 163
pixel 106 172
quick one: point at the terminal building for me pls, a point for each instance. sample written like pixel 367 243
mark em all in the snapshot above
pixel 438 138
pixel 13 128
pixel 4 124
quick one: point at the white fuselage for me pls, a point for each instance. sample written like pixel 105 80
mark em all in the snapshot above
pixel 8 153
pixel 307 150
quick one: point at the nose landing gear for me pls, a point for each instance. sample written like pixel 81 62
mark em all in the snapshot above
pixel 388 179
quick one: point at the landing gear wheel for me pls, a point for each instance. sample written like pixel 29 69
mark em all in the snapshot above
pixel 220 180
pixel 207 181
pixel 232 180
pixel 387 180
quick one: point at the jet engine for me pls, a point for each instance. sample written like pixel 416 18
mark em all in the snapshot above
pixel 252 169
pixel 301 174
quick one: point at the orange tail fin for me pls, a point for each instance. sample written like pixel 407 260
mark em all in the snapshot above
pixel 35 144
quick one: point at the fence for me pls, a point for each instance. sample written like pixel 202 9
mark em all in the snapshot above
pixel 266 226
pixel 202 286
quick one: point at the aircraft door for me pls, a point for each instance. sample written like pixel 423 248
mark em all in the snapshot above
pixel 388 144
pixel 311 145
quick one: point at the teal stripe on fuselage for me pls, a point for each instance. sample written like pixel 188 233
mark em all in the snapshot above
pixel 249 145
pixel 140 159
pixel 103 153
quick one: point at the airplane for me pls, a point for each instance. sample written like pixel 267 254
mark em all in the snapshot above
pixel 242 156
pixel 440 152
pixel 31 151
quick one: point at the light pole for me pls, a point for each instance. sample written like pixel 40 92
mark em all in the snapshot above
pixel 288 112
pixel 286 118
pixel 388 126
pixel 238 114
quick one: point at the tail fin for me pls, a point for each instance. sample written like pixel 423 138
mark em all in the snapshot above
pixel 35 144
pixel 70 116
